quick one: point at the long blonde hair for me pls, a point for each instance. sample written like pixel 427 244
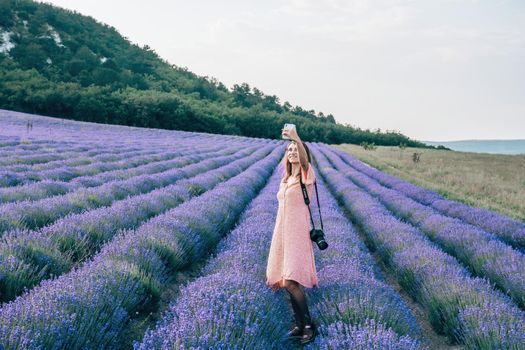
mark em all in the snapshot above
pixel 288 166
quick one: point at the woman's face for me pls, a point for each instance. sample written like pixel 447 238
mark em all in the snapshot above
pixel 292 153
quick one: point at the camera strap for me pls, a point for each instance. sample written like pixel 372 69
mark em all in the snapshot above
pixel 307 202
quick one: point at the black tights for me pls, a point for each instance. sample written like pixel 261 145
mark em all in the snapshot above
pixel 299 304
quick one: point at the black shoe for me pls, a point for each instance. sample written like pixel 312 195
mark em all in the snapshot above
pixel 309 333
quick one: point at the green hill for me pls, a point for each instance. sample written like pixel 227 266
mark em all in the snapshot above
pixel 60 63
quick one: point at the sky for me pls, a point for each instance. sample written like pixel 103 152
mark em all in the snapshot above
pixel 434 70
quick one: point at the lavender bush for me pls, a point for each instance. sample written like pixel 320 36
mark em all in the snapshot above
pixel 231 307
pixel 53 250
pixel 93 304
pixel 100 173
pixel 37 214
pixel 510 230
pixel 83 156
pixel 432 277
pixel 106 163
pixel 481 251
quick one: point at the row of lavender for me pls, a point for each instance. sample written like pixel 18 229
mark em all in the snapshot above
pixel 92 305
pixel 58 135
pixel 25 157
pixel 510 230
pixel 83 158
pixel 18 160
pixel 29 156
pixel 483 252
pixel 230 306
pixel 466 309
pixel 31 256
pixel 35 155
pixel 47 128
pixel 35 214
pixel 13 125
pixel 37 171
pixel 21 152
pixel 65 179
pixel 12 143
pixel 65 170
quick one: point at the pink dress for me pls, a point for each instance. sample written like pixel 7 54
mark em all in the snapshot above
pixel 291 251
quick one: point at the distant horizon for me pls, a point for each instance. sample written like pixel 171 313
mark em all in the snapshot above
pixel 429 70
pixel 444 141
pixel 508 147
pixel 523 139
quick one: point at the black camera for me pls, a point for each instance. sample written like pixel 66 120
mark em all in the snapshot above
pixel 317 236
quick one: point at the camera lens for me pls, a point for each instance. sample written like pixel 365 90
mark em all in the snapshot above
pixel 321 243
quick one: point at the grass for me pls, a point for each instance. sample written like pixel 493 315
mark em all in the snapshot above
pixel 491 181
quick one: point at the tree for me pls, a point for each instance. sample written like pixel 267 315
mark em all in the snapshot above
pixel 29 55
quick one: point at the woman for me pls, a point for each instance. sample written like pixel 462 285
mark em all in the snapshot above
pixel 291 261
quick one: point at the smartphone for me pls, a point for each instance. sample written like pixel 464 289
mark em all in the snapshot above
pixel 288 127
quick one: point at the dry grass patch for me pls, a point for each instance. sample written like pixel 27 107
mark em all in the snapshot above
pixel 491 181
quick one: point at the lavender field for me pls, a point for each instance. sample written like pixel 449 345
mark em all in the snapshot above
pixel 115 237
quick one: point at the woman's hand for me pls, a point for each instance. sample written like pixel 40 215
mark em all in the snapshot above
pixel 291 133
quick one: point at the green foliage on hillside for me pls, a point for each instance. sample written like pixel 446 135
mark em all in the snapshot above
pixel 67 65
